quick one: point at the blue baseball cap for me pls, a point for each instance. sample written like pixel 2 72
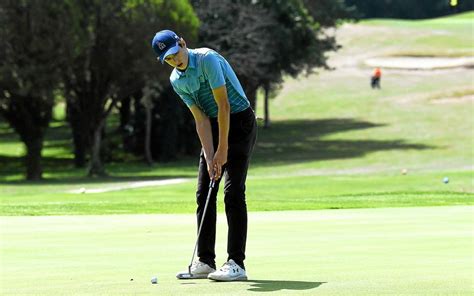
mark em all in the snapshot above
pixel 165 43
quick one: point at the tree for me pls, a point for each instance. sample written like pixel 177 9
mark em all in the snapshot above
pixel 265 39
pixel 329 13
pixel 242 33
pixel 31 33
pixel 110 56
pixel 168 129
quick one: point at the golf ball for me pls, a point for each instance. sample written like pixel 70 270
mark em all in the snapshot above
pixel 446 180
pixel 404 171
pixel 82 190
pixel 154 280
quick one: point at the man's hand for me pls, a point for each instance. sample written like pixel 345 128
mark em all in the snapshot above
pixel 210 169
pixel 220 159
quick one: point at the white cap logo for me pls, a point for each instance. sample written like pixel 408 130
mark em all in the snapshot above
pixel 161 45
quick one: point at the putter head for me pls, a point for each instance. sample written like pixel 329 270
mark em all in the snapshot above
pixel 185 275
pixel 190 276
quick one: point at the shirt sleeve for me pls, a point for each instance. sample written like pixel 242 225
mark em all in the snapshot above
pixel 186 98
pixel 213 69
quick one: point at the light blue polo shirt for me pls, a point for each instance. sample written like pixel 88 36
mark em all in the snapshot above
pixel 208 70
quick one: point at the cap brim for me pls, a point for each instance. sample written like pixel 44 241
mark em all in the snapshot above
pixel 171 50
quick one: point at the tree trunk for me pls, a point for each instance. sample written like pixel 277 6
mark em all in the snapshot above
pixel 80 147
pixel 125 123
pixel 266 107
pixel 34 145
pixel 29 116
pixel 252 96
pixel 125 112
pixel 148 109
pixel 80 136
pixel 96 167
pixel 250 91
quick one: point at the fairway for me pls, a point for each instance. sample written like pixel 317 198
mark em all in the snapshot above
pixel 410 251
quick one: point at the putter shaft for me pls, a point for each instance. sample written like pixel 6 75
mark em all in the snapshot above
pixel 211 186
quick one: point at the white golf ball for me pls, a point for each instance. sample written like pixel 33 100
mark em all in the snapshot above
pixel 82 190
pixel 154 280
pixel 446 180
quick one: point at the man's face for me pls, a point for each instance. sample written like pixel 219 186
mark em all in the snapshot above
pixel 178 60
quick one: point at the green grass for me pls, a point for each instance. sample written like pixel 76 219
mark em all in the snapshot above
pixel 274 193
pixel 323 127
pixel 447 36
pixel 411 251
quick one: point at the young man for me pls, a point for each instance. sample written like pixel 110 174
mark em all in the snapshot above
pixel 226 126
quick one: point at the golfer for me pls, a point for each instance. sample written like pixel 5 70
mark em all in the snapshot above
pixel 375 79
pixel 226 126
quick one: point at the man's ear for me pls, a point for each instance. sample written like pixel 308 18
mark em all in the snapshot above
pixel 182 43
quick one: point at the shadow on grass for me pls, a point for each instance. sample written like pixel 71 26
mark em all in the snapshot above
pixel 295 141
pixel 272 286
pixel 289 141
pixel 62 171
pixel 53 134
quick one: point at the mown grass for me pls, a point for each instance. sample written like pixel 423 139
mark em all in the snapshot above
pixel 266 194
pixel 411 251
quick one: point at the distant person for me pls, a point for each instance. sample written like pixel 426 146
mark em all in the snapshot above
pixel 375 79
pixel 226 126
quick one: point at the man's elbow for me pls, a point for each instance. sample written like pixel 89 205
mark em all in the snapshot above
pixel 199 124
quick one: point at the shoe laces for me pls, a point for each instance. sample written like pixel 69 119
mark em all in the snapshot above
pixel 197 264
pixel 228 265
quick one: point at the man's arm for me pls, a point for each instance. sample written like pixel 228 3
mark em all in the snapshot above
pixel 223 118
pixel 204 131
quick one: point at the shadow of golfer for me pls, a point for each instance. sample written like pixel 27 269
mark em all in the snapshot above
pixel 270 286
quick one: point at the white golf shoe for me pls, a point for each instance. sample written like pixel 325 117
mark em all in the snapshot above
pixel 230 271
pixel 199 270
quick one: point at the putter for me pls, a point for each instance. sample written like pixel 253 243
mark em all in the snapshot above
pixel 189 275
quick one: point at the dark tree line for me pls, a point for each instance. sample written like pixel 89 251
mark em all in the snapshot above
pixel 94 53
pixel 31 56
pixel 113 66
pixel 96 56
pixel 409 9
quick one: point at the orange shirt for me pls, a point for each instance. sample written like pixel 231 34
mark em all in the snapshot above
pixel 377 73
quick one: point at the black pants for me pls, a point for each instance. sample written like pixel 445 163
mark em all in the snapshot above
pixel 375 82
pixel 242 137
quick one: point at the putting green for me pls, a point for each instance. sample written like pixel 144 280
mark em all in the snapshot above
pixel 426 250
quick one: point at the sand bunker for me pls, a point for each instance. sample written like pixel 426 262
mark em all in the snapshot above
pixel 420 63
